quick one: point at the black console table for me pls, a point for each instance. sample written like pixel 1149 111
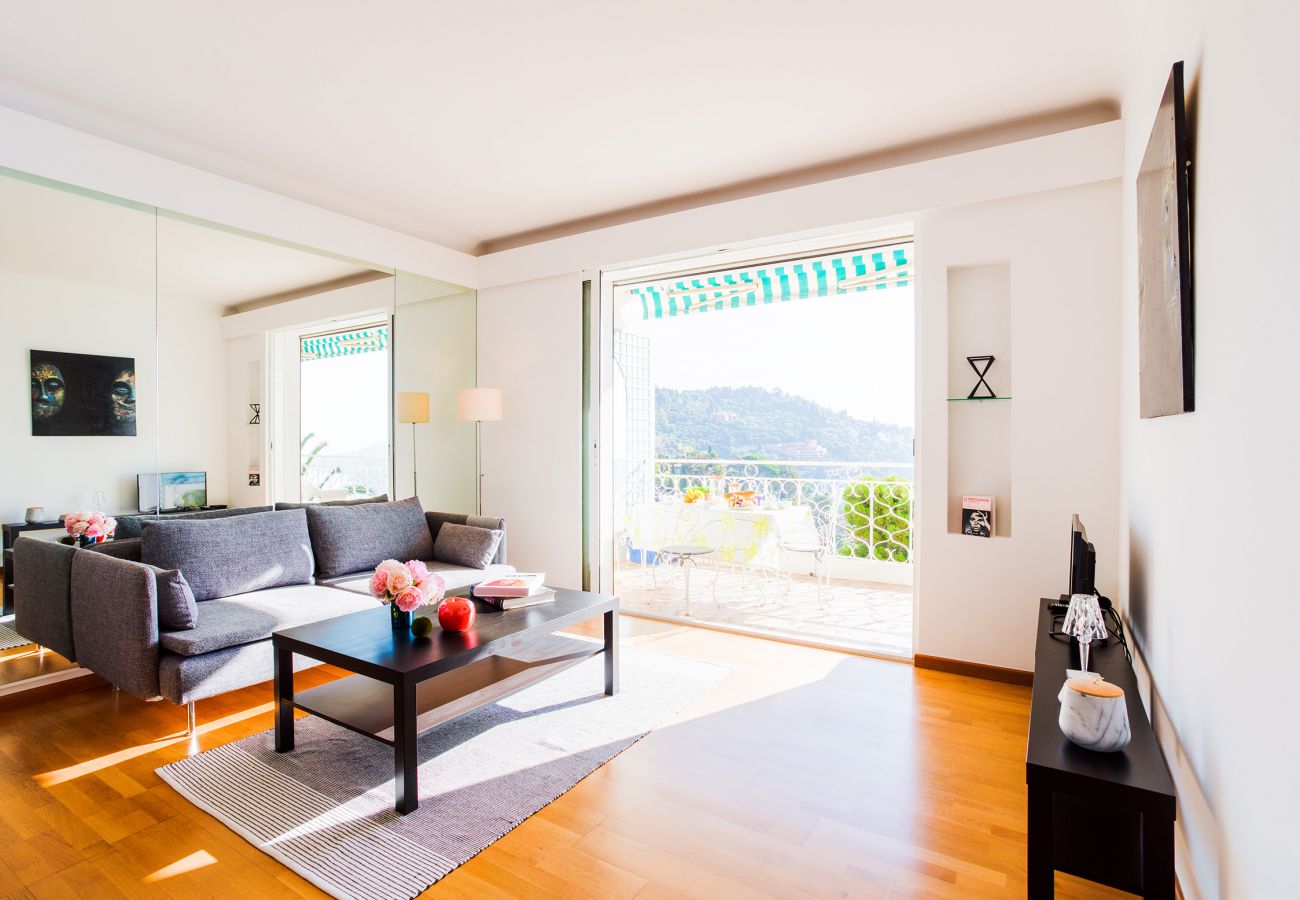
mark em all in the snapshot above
pixel 1107 817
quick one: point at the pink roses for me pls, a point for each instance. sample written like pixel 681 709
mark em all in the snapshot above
pixel 92 527
pixel 407 586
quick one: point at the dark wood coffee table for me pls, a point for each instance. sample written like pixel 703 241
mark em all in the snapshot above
pixel 403 685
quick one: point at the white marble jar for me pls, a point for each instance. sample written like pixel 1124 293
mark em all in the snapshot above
pixel 1094 714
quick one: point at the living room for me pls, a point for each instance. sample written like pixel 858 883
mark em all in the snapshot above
pixel 319 347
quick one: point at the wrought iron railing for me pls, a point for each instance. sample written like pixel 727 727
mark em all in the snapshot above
pixel 860 509
pixel 339 474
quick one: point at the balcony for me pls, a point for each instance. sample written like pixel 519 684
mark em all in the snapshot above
pixel 823 554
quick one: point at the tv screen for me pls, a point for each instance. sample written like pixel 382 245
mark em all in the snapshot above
pixel 1083 560
pixel 1166 373
pixel 172 490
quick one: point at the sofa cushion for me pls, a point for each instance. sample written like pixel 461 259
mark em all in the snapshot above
pixel 382 498
pixel 246 618
pixel 224 557
pixel 348 539
pixel 121 548
pixel 453 576
pixel 133 526
pixel 437 519
pixel 465 545
pixel 176 606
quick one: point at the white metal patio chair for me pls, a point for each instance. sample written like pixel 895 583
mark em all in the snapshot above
pixel 817 541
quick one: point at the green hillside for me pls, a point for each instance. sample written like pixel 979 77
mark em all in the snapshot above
pixel 733 423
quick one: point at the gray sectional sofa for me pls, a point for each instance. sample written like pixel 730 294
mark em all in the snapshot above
pixel 186 610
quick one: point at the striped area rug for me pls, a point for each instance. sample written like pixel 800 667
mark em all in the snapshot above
pixel 10 638
pixel 325 810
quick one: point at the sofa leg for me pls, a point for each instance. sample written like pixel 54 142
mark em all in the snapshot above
pixel 189 713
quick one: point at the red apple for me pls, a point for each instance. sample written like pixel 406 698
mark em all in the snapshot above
pixel 456 614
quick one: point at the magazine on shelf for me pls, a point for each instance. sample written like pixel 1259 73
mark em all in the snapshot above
pixel 520 584
pixel 978 516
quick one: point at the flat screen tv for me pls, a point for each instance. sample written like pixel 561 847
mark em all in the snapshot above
pixel 170 491
pixel 1166 359
pixel 1083 560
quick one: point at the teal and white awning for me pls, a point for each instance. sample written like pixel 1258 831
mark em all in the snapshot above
pixel 821 276
pixel 345 343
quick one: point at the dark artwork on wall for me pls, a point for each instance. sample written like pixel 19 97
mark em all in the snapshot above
pixel 79 394
pixel 1166 372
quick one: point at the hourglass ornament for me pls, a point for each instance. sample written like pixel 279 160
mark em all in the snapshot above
pixel 1084 623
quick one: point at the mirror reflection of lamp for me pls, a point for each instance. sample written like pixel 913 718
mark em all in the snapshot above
pixel 479 405
pixel 413 409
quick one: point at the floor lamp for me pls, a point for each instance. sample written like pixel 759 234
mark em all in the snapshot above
pixel 413 409
pixel 479 405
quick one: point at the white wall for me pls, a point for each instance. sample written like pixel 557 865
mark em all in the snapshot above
pixel 1210 578
pixel 76 275
pixel 530 346
pixel 979 597
pixel 1061 242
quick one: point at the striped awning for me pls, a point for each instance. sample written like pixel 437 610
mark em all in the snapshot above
pixel 821 276
pixel 346 343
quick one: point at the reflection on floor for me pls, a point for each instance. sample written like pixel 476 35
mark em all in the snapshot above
pixel 27 661
pixel 854 615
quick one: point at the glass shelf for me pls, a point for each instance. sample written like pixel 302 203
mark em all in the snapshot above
pixel 974 399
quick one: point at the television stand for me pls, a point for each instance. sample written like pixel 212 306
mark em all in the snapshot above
pixel 1107 817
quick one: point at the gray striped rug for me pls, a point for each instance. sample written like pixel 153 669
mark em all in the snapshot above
pixel 325 810
pixel 10 638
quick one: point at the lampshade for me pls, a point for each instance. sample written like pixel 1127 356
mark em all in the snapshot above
pixel 412 408
pixel 479 404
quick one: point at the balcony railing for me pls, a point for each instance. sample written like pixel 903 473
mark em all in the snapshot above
pixel 860 509
pixel 340 475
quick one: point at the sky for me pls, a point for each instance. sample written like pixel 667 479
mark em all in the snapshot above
pixel 345 401
pixel 850 352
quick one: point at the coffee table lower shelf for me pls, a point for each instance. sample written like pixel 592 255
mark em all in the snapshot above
pixel 365 705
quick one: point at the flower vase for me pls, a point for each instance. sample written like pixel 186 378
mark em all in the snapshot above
pixel 401 620
pixel 84 541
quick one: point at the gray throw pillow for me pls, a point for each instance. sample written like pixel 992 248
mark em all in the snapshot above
pixel 465 545
pixel 177 610
pixel 131 526
pixel 236 555
pixel 356 538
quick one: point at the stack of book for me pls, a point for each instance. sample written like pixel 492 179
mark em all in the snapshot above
pixel 515 591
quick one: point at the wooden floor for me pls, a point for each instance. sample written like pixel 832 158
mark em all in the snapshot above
pixel 29 661
pixel 807 773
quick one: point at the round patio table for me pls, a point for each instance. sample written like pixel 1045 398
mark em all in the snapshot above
pixel 687 553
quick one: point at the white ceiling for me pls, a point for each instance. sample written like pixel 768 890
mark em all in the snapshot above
pixel 467 122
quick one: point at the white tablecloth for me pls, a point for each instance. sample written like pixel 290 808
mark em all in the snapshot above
pixel 749 536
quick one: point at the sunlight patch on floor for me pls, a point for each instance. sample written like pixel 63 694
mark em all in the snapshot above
pixel 196 860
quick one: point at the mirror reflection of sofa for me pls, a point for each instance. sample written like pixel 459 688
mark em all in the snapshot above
pixel 186 610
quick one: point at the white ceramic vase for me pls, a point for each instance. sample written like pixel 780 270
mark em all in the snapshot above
pixel 1094 715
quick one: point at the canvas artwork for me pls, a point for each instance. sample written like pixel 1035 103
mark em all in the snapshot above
pixel 77 394
pixel 1165 361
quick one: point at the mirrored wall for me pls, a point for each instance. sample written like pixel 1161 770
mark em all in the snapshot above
pixel 176 364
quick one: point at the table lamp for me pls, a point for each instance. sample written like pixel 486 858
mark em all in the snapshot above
pixel 1084 623
pixel 479 405
pixel 413 409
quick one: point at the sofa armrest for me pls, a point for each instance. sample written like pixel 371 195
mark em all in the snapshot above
pixel 42 572
pixel 115 621
pixel 437 519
